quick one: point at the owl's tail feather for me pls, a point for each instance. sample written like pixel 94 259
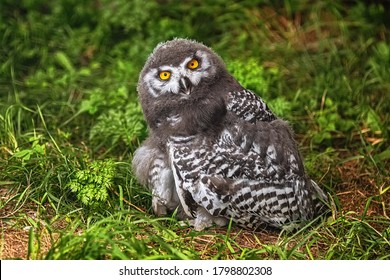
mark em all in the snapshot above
pixel 320 198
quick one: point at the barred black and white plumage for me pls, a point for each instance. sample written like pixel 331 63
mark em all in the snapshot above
pixel 215 150
pixel 249 106
pixel 263 186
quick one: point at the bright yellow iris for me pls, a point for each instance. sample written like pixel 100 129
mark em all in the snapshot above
pixel 193 64
pixel 165 75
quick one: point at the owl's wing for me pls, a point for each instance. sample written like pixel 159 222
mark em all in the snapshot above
pixel 264 185
pixel 249 106
pixel 259 203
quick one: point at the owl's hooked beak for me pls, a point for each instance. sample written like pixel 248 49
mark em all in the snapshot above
pixel 185 85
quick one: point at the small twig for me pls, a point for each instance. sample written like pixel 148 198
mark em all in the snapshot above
pixel 323 176
pixel 343 193
pixel 362 194
pixel 129 203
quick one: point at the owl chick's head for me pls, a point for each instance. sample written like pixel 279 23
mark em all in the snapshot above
pixel 183 87
pixel 180 67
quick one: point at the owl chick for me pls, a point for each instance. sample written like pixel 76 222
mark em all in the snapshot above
pixel 215 150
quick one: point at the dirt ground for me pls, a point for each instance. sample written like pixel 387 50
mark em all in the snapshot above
pixel 15 244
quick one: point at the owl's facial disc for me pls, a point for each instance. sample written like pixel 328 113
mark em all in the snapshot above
pixel 179 79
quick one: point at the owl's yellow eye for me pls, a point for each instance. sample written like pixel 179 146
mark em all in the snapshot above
pixel 165 75
pixel 193 64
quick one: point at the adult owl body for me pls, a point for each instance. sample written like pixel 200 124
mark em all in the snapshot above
pixel 215 150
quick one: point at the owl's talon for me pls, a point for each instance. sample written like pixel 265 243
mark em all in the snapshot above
pixel 159 208
pixel 205 220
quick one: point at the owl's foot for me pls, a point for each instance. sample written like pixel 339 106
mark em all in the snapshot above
pixel 204 220
pixel 165 199
pixel 159 207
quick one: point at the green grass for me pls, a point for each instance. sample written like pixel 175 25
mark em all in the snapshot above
pixel 70 121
